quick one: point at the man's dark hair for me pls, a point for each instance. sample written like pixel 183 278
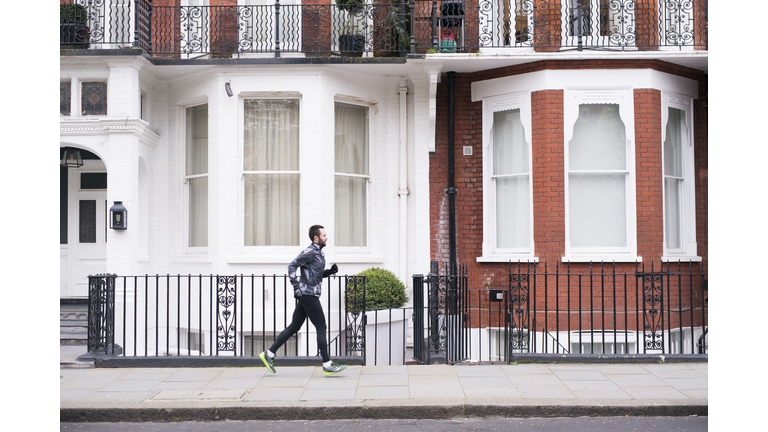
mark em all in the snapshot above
pixel 314 230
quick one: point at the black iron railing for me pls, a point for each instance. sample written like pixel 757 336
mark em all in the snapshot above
pixel 594 24
pixel 595 309
pixel 383 29
pixel 214 315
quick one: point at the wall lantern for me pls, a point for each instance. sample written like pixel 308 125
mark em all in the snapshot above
pixel 118 216
pixel 71 158
pixel 228 88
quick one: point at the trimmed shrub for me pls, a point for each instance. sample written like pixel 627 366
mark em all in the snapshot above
pixel 383 290
pixel 73 14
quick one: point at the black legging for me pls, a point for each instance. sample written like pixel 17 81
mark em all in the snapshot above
pixel 307 306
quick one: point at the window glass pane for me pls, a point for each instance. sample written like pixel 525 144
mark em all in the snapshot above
pixel 65 95
pixel 93 180
pixel 351 140
pixel 597 210
pixel 350 211
pixel 673 143
pixel 197 140
pixel 271 141
pixel 198 212
pixel 87 219
pixel 271 210
pixel 94 98
pixel 513 212
pixel 599 139
pixel 672 212
pixel 510 150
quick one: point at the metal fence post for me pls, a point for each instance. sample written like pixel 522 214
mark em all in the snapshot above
pixel 101 316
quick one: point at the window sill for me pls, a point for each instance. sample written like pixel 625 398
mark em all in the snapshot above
pixel 681 258
pixel 202 258
pixel 354 259
pixel 602 258
pixel 507 258
pixel 263 258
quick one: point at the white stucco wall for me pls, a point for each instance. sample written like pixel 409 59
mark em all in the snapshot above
pixel 145 160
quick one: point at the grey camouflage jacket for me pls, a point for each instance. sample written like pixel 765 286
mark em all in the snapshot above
pixel 312 263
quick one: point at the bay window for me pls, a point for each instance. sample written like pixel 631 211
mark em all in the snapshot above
pixel 507 202
pixel 352 174
pixel 600 192
pixel 677 144
pixel 196 175
pixel 271 174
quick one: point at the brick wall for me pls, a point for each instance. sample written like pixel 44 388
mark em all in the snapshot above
pixel 648 174
pixel 548 170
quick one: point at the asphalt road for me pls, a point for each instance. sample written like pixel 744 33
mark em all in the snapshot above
pixel 578 424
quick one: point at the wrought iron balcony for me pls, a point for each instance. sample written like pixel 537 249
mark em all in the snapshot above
pixel 383 29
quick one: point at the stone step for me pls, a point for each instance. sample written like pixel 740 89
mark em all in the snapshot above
pixel 65 316
pixel 73 339
pixel 74 323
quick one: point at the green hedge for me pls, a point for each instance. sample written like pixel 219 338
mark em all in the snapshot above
pixel 383 290
pixel 73 14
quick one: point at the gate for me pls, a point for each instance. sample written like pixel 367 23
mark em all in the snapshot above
pixel 439 332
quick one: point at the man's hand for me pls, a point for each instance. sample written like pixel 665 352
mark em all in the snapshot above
pixel 333 270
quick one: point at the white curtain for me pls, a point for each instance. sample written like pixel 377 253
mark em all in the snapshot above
pixel 197 174
pixel 597 164
pixel 511 175
pixel 351 180
pixel 271 172
pixel 673 176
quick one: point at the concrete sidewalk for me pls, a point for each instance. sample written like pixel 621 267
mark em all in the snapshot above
pixel 432 391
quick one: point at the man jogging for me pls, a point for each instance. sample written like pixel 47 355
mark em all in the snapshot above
pixel 307 290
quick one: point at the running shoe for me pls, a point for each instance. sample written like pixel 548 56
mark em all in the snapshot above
pixel 333 369
pixel 269 362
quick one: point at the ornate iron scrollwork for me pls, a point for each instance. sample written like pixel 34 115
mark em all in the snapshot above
pixel 226 322
pixel 653 319
pixel 518 304
pixel 101 313
pixel 436 306
pixel 355 317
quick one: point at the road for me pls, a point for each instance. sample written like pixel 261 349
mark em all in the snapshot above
pixel 578 424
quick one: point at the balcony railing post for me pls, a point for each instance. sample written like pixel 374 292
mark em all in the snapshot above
pixel 137 20
pixel 413 21
pixel 277 28
pixel 434 24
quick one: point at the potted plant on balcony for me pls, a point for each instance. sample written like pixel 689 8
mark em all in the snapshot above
pixel 393 32
pixel 351 38
pixel 73 26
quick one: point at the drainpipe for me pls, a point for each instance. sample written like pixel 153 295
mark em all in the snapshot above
pixel 451 190
pixel 403 192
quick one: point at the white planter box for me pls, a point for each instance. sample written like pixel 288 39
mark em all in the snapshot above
pixel 385 338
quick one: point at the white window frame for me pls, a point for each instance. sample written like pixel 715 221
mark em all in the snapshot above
pixel 269 253
pixel 491 105
pixel 356 250
pixel 187 200
pixel 688 191
pixel 624 97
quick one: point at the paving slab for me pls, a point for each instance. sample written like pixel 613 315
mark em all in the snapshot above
pixel 203 394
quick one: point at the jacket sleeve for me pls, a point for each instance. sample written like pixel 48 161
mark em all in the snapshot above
pixel 302 259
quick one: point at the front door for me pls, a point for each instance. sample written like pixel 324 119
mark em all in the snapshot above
pixel 86 248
